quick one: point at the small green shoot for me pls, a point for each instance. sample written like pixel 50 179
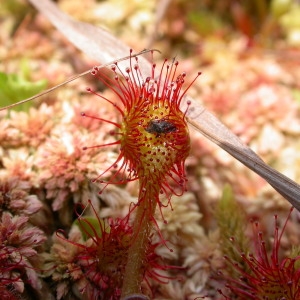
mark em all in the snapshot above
pixel 15 87
pixel 92 227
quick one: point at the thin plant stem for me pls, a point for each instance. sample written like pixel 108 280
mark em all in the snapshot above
pixel 142 228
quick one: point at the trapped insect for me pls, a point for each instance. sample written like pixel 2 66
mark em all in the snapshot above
pixel 160 126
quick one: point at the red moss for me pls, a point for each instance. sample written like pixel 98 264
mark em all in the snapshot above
pixel 18 256
pixel 15 197
pixel 7 288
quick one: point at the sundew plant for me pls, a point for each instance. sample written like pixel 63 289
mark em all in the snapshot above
pixel 107 188
pixel 154 143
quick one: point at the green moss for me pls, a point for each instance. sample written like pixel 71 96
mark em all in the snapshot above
pixel 17 87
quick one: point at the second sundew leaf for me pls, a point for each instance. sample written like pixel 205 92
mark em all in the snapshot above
pixel 232 225
pixel 91 226
pixel 15 87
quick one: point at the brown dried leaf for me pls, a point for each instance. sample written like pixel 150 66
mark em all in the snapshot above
pixel 94 41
